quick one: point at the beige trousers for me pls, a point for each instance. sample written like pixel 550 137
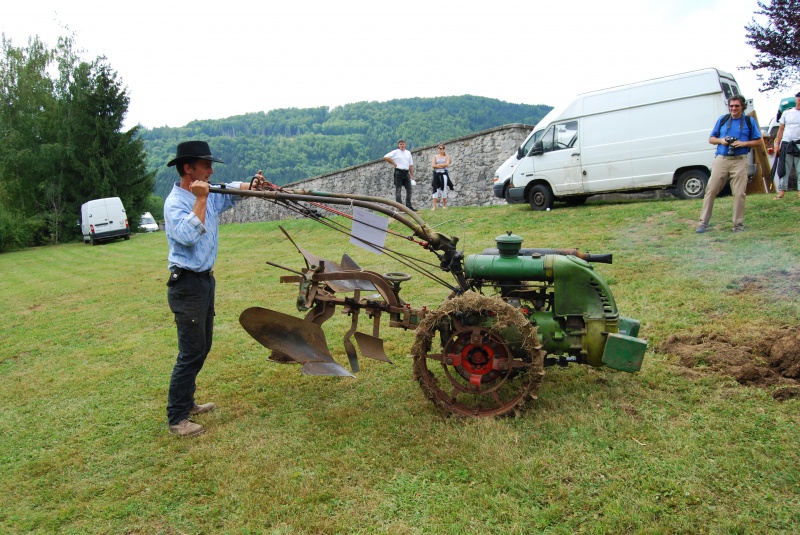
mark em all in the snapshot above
pixel 724 168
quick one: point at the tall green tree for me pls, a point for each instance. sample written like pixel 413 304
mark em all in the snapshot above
pixel 777 43
pixel 62 143
pixel 26 139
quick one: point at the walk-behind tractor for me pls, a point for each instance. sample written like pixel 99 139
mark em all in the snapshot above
pixel 510 311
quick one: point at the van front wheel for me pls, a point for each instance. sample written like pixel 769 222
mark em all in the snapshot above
pixel 540 197
pixel 691 184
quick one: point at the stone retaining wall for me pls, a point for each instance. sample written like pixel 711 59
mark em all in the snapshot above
pixel 474 159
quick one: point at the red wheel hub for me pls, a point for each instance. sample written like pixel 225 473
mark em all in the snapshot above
pixel 477 359
pixel 477 362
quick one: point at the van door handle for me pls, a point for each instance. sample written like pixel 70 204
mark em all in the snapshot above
pixel 576 153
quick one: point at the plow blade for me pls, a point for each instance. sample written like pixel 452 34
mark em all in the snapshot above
pixel 371 346
pixel 287 336
pixel 325 368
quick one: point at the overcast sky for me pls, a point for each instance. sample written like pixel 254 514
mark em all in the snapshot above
pixel 207 60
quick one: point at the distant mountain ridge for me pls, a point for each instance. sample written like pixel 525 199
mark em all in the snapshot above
pixel 296 143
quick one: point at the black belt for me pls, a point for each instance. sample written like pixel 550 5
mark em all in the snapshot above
pixel 179 271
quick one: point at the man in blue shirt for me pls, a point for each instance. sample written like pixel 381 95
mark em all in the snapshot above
pixel 733 134
pixel 191 221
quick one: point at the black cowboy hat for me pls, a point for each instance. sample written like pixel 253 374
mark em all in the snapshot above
pixel 193 149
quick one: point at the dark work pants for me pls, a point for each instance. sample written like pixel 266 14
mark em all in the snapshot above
pixel 191 299
pixel 402 179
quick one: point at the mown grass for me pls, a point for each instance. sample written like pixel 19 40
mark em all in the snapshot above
pixel 88 344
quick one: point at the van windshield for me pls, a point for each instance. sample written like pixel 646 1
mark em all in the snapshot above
pixel 147 221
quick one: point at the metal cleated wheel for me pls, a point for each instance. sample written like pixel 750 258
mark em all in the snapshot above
pixel 465 365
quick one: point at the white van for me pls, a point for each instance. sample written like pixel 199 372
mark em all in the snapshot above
pixel 148 223
pixel 104 219
pixel 643 136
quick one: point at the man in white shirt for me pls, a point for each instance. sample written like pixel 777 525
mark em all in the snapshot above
pixel 403 165
pixel 787 147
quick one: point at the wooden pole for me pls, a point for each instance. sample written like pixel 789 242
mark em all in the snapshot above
pixel 761 182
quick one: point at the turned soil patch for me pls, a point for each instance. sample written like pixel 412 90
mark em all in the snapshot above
pixel 763 359
pixel 779 284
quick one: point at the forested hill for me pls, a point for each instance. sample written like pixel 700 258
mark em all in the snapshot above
pixel 293 144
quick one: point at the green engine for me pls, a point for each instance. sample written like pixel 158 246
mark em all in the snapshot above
pixel 570 305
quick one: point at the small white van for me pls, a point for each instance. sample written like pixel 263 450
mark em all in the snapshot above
pixel 148 223
pixel 104 219
pixel 643 136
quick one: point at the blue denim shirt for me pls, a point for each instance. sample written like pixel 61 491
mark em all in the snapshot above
pixel 193 245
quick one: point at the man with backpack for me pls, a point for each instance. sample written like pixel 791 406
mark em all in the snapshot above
pixel 733 134
pixel 787 147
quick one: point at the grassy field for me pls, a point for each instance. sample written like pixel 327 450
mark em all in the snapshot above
pixel 88 344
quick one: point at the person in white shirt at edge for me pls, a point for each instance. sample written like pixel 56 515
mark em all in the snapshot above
pixel 403 164
pixel 787 147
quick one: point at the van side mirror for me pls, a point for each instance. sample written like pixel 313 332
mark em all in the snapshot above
pixel 538 148
pixel 520 153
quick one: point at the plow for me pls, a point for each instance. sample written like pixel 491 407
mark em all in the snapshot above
pixel 509 311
